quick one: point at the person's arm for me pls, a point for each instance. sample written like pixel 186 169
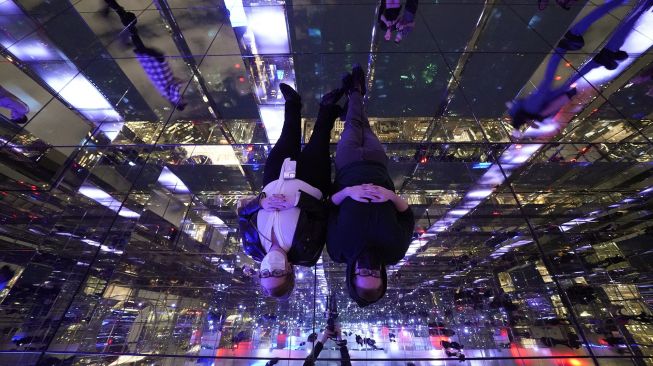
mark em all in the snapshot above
pixel 311 205
pixel 383 194
pixel 362 193
pixel 248 232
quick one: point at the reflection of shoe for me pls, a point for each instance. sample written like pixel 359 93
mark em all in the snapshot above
pixel 127 18
pixel 571 42
pixel 19 120
pixel 290 94
pixel 610 59
pixel 358 75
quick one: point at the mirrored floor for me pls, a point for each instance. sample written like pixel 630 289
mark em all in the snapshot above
pixel 130 130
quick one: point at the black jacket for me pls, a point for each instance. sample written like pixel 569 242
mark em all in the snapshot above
pixel 310 234
pixel 354 226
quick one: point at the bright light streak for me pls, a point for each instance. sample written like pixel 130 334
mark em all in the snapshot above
pixel 268 23
pixel 104 199
pixel 169 180
pixel 62 76
pixel 636 43
pixel 272 117
pixel 479 193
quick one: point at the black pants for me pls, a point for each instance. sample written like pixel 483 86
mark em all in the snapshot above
pixel 314 162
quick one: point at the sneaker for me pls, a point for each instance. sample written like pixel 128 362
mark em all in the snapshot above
pixel 571 42
pixel 358 76
pixel 289 94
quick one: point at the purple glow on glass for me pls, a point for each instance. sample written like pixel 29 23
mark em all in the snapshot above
pixel 172 182
pixel 63 76
pixel 33 50
pixel 647 190
pixel 479 193
pixel 272 117
pixel 636 43
pixel 237 15
pixel 104 199
pixel 268 24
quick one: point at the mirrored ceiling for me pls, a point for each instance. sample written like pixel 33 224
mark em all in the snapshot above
pixel 130 129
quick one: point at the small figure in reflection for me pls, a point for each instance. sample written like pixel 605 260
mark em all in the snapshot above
pixel 370 226
pixel 15 105
pixel 153 61
pixel 158 70
pixel 545 101
pixel 286 224
pixel 453 349
pixel 391 20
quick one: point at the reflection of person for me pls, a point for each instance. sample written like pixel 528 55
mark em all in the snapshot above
pixel 370 226
pixel 390 19
pixel 406 22
pixel 158 70
pixel 17 107
pixel 286 224
pixel 545 102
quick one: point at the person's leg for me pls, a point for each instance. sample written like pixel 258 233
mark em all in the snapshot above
pixel 627 26
pixel 349 149
pixel 372 148
pixel 599 12
pixel 288 145
pixel 314 162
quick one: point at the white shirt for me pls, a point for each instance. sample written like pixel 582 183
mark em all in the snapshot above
pixel 284 222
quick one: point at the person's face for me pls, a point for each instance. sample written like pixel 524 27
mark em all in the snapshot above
pixel 275 270
pixel 367 278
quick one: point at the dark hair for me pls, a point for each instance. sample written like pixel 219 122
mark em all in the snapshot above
pixel 371 260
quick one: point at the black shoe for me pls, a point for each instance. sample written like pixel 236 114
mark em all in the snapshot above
pixel 571 42
pixel 358 76
pixel 610 59
pixel 127 18
pixel 332 97
pixel 290 94
pixel 19 120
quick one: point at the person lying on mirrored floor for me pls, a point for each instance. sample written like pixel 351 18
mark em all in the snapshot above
pixel 370 226
pixel 286 224
pixel 392 20
pixel 15 105
pixel 545 102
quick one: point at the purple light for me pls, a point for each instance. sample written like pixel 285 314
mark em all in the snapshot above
pixel 169 180
pixel 103 198
pixel 268 24
pixel 62 76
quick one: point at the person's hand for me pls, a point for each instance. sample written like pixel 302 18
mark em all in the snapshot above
pixel 362 193
pixel 276 202
pixel 381 194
